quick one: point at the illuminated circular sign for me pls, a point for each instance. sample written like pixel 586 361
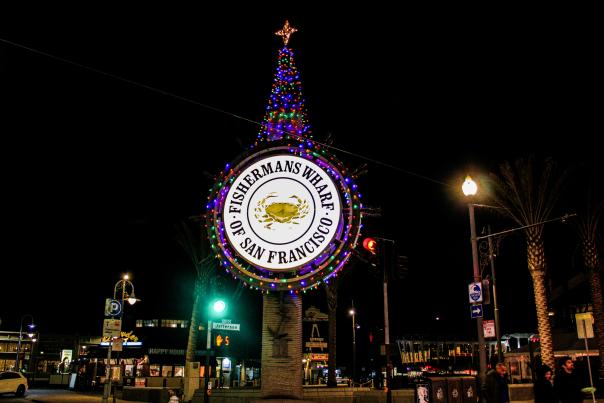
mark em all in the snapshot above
pixel 284 217
pixel 281 212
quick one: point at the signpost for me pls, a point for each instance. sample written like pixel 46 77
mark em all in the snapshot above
pixel 475 292
pixel 226 325
pixel 476 311
pixel 112 307
pixel 488 327
pixel 585 331
pixel 112 328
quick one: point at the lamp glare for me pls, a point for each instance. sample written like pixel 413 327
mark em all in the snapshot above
pixel 469 187
pixel 219 306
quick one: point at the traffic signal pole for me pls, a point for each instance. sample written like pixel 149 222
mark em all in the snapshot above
pixel 387 342
pixel 381 249
pixel 206 372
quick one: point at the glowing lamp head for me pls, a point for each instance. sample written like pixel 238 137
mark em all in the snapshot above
pixel 351 312
pixel 219 306
pixel 126 277
pixel 469 187
pixel 370 244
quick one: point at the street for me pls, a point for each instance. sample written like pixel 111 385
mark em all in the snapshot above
pixel 56 396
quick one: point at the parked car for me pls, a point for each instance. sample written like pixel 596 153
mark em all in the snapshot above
pixel 13 382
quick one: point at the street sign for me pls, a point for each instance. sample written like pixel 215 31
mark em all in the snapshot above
pixel 475 292
pixel 112 328
pixel 488 327
pixel 476 311
pixel 226 326
pixel 112 307
pixel 585 323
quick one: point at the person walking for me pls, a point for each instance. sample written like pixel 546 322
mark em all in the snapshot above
pixel 567 384
pixel 173 397
pixel 544 386
pixel 495 389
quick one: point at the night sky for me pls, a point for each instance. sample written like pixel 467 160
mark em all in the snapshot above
pixel 97 171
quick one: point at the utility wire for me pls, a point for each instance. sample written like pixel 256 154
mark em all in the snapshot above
pixel 181 98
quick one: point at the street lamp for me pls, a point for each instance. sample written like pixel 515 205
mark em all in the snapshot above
pixel 30 333
pixel 470 189
pixel 352 312
pixel 123 286
pixel 218 308
pixel 125 289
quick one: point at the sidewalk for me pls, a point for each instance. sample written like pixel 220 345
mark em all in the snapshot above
pixel 62 395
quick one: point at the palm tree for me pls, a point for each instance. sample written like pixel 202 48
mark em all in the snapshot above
pixel 587 227
pixel 205 277
pixel 528 193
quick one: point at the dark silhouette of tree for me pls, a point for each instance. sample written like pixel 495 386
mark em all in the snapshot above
pixel 528 191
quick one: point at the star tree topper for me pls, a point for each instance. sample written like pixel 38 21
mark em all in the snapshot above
pixel 285 32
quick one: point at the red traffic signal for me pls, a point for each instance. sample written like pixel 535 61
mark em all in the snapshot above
pixel 370 244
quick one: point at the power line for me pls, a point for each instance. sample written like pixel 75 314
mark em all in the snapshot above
pixel 184 99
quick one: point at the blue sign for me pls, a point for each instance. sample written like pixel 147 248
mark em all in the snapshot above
pixel 112 307
pixel 476 311
pixel 475 292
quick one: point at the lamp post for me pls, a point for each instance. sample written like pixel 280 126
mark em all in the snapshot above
pixel 31 327
pixel 218 307
pixel 120 288
pixel 354 344
pixel 470 188
pixel 495 305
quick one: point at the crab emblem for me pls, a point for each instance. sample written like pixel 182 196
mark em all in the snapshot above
pixel 280 212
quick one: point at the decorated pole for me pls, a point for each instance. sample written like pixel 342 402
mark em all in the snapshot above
pixel 283 218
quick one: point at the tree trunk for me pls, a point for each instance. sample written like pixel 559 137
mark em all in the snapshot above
pixel 331 290
pixel 595 283
pixel 536 264
pixel 194 325
pixel 591 261
pixel 545 331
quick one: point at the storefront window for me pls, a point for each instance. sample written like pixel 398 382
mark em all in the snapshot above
pixel 166 370
pixel 154 370
pixel 179 370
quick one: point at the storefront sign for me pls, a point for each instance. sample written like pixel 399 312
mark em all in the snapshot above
pixel 315 344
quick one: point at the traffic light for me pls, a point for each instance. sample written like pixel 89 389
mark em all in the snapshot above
pixel 227 340
pixel 219 340
pixel 370 244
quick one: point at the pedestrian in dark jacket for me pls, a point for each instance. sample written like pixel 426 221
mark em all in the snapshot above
pixel 567 384
pixel 495 389
pixel 544 386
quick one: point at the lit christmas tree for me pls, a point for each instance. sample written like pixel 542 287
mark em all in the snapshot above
pixel 285 113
